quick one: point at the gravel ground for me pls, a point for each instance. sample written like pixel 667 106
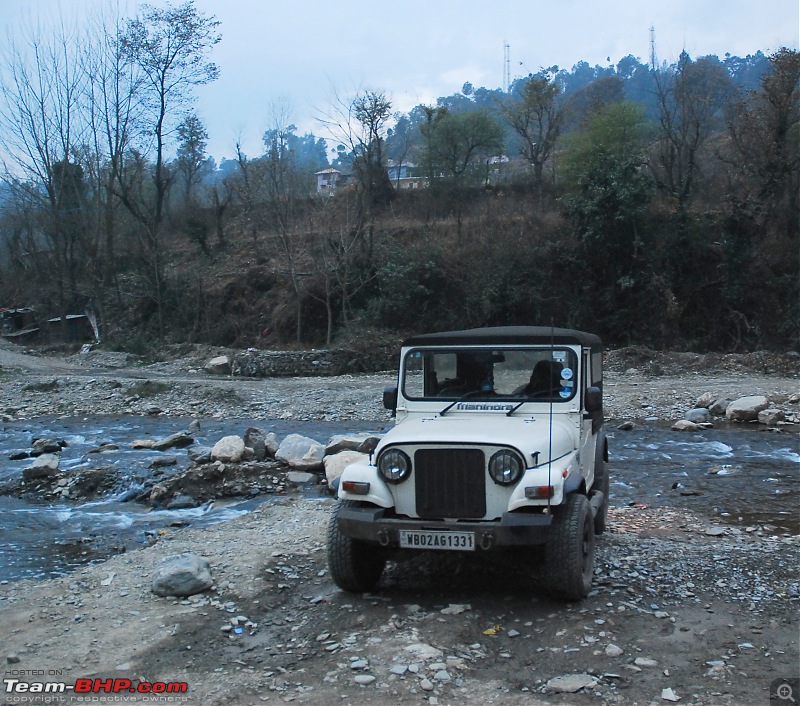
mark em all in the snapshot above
pixel 711 618
pixel 679 610
pixel 639 384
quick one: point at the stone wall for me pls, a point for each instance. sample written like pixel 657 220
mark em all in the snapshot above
pixel 258 364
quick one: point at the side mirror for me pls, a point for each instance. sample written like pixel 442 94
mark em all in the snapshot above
pixel 390 398
pixel 593 399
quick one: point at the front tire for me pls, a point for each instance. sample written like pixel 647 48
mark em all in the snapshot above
pixel 570 550
pixel 355 566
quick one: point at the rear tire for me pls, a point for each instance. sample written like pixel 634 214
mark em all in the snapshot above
pixel 570 550
pixel 355 566
pixel 601 483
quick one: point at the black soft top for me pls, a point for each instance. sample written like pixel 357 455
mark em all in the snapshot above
pixel 507 335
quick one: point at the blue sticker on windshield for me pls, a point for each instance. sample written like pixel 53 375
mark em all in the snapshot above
pixel 565 392
pixel 566 373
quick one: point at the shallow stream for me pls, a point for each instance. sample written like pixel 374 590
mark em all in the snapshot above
pixel 737 477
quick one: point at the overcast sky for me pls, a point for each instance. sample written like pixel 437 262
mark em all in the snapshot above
pixel 303 52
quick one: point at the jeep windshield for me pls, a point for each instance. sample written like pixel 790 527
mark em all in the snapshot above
pixel 546 374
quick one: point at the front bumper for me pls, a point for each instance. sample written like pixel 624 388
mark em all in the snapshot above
pixel 371 524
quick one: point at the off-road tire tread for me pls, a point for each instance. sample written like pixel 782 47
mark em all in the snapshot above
pixel 356 567
pixel 564 573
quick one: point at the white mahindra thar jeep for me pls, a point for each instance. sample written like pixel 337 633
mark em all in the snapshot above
pixel 497 444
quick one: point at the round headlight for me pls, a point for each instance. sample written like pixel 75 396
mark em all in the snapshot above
pixel 505 467
pixel 394 466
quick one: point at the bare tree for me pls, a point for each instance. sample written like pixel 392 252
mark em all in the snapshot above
pixel 284 194
pixel 399 142
pixel 361 124
pixel 536 116
pixel 690 99
pixel 170 47
pixel 113 107
pixel 338 256
pixel 248 186
pixel 41 131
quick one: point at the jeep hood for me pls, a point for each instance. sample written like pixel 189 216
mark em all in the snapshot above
pixel 527 435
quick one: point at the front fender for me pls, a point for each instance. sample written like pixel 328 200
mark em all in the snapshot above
pixel 539 476
pixel 362 472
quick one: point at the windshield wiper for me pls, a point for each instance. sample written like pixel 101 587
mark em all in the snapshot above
pixel 471 393
pixel 515 408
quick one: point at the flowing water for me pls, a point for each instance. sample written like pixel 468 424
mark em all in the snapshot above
pixel 42 539
pixel 739 477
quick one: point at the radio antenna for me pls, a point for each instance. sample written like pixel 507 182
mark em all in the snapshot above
pixel 550 428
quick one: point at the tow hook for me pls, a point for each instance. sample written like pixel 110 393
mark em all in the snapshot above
pixel 487 539
pixel 383 537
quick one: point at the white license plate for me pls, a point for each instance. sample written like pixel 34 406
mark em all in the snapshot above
pixel 421 539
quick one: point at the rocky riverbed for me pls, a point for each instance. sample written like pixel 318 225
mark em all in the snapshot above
pixel 683 609
pixel 639 384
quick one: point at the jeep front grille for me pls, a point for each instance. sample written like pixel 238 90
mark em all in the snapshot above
pixel 450 483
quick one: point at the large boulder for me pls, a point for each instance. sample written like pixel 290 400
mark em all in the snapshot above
pixel 746 409
pixel 771 417
pixel 182 575
pixel 159 495
pixel 264 444
pixel 175 441
pixel 229 449
pixel 335 465
pixel 200 454
pixel 718 408
pixel 271 444
pixel 698 415
pixel 47 446
pixel 43 466
pixel 705 400
pixel 301 453
pixel 182 502
pixel 221 365
pixel 256 440
pixel 365 443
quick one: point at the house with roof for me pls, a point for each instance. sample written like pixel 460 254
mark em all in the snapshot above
pixel 328 180
pixel 400 174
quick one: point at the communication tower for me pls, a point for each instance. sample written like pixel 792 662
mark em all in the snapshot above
pixel 652 48
pixel 506 67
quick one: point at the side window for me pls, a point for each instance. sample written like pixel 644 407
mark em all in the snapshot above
pixel 413 379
